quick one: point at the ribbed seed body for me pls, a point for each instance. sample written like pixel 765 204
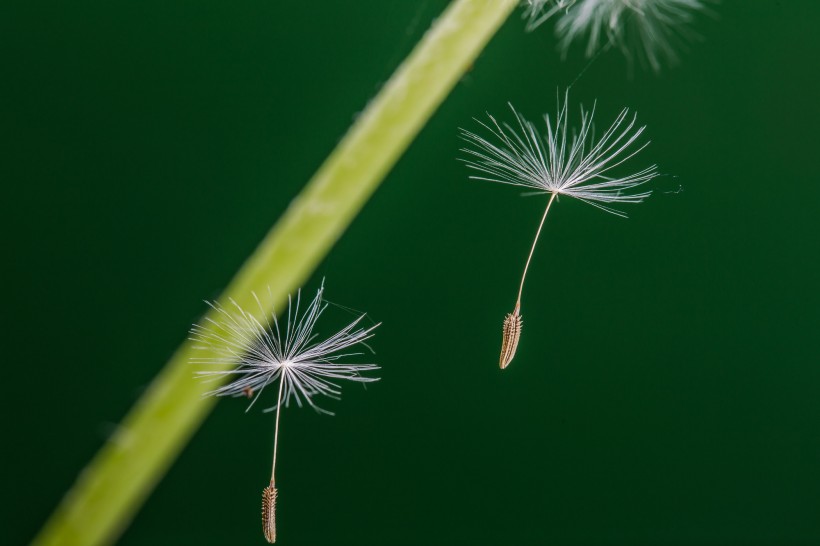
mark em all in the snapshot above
pixel 509 341
pixel 269 513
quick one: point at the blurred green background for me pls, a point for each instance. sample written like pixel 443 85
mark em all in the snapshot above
pixel 665 389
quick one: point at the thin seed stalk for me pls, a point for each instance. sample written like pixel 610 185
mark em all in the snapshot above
pixel 532 250
pixel 270 493
pixel 511 330
pixel 117 481
pixel 276 428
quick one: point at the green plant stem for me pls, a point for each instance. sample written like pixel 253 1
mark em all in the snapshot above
pixel 110 490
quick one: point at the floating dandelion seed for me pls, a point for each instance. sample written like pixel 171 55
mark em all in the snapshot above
pixel 261 355
pixel 652 29
pixel 576 165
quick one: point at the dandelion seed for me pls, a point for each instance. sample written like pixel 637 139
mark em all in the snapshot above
pixel 260 354
pixel 511 333
pixel 576 164
pixel 269 495
pixel 652 30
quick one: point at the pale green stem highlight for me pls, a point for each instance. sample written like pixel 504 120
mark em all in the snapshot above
pixel 111 489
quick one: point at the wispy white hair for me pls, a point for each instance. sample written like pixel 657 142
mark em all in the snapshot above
pixel 575 164
pixel 652 30
pixel 537 12
pixel 260 353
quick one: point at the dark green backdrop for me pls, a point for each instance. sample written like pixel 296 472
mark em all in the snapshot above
pixel 666 386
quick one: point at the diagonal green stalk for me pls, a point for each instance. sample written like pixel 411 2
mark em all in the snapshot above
pixel 111 489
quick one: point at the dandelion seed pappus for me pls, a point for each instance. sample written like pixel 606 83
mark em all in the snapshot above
pixel 557 162
pixel 266 350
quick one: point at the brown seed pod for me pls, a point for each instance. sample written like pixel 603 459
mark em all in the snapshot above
pixel 269 513
pixel 509 340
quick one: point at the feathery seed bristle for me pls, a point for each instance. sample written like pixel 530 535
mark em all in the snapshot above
pixel 509 340
pixel 269 513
